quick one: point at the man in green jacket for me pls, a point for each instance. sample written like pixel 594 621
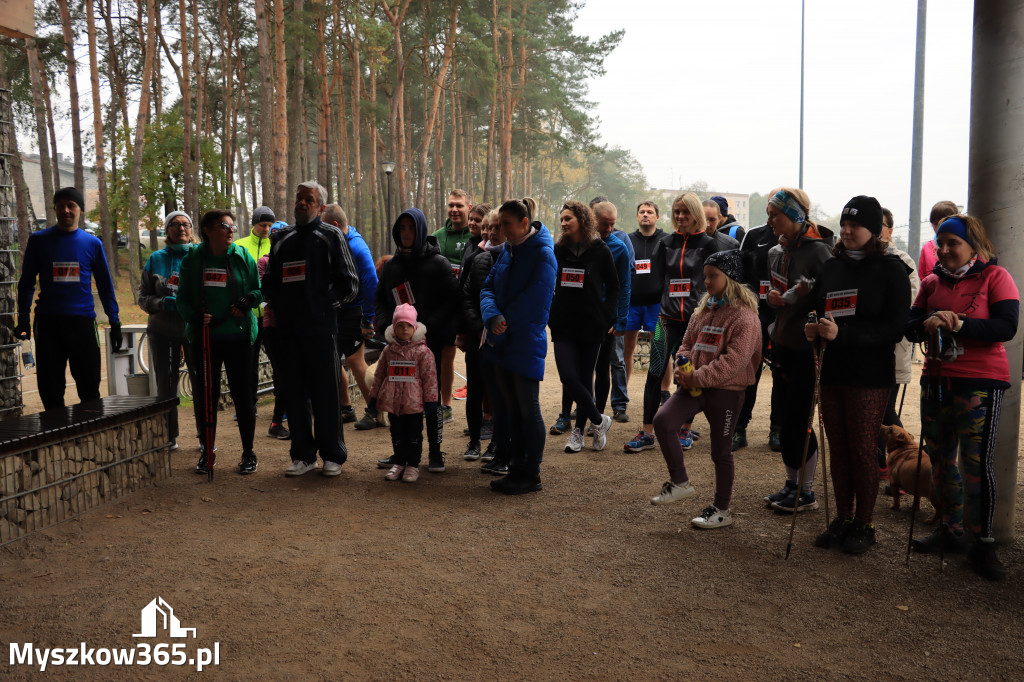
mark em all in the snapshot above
pixel 258 245
pixel 452 240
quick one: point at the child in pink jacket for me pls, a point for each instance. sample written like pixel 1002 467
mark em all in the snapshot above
pixel 405 373
pixel 723 341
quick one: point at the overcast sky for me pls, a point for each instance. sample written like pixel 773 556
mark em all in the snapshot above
pixel 711 91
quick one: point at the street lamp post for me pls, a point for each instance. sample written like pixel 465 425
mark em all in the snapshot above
pixel 388 167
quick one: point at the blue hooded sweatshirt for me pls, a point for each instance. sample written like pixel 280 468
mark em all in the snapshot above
pixel 519 289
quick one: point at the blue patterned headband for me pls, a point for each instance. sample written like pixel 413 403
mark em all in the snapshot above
pixel 790 207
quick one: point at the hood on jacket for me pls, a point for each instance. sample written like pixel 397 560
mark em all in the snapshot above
pixel 419 221
pixel 809 232
pixel 539 239
pixel 418 335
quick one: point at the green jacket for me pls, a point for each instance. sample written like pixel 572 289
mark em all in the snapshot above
pixel 452 242
pixel 219 291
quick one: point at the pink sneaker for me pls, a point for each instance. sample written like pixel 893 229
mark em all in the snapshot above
pixel 394 473
pixel 411 475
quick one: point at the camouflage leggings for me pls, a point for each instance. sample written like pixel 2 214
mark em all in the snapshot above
pixel 968 419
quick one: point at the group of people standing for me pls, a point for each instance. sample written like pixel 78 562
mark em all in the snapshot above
pixel 718 299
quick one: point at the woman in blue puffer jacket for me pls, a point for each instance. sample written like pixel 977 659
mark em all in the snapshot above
pixel 514 306
pixel 158 296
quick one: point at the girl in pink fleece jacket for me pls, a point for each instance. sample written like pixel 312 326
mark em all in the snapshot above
pixel 405 374
pixel 723 341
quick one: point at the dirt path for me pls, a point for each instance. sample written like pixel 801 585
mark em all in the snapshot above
pixel 359 578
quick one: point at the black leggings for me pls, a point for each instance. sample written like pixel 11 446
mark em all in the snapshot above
pixel 750 399
pixel 167 354
pixel 475 390
pixel 63 340
pixel 575 362
pixel 407 438
pixel 603 372
pixel 794 375
pixel 667 337
pixel 235 354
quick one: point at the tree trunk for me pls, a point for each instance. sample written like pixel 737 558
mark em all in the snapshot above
pixel 76 124
pixel 187 162
pixel 357 82
pixel 437 88
pixel 197 162
pixel 379 214
pixel 397 118
pixel 263 35
pixel 296 102
pixel 249 137
pixel 42 138
pixel 281 188
pixel 51 147
pixel 97 124
pixel 323 113
pixel 140 133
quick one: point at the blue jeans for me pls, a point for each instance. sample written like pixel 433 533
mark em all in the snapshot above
pixel 517 399
pixel 620 394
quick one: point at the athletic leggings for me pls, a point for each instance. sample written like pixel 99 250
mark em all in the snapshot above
pixel 722 408
pixel 575 362
pixel 668 334
pixel 603 371
pixel 794 374
pixel 970 419
pixel 853 415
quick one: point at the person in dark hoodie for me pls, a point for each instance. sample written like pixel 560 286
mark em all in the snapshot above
pixel 310 276
pixel 728 223
pixel 582 312
pixel 794 265
pixel 421 276
pixel 861 298
pixel 514 305
pixel 679 258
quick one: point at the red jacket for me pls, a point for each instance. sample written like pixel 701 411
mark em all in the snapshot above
pixel 405 373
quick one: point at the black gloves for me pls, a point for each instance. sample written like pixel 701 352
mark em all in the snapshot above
pixel 23 332
pixel 116 340
pixel 245 302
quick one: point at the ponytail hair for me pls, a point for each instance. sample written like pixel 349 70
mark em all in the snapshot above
pixel 520 208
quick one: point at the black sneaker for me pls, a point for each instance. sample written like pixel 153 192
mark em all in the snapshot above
pixel 805 502
pixel 248 464
pixel 942 538
pixel 781 495
pixel 983 559
pixel 279 432
pixel 201 466
pixel 517 485
pixel 388 462
pixel 486 429
pixel 859 537
pixel 488 454
pixel 472 453
pixel 348 414
pixel 368 421
pixel 665 395
pixel 835 535
pixel 775 439
pixel 495 467
pixel 620 416
pixel 739 439
pixel 435 465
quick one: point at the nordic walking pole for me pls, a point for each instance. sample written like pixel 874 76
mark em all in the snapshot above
pixel 822 454
pixel 812 318
pixel 208 399
pixel 929 388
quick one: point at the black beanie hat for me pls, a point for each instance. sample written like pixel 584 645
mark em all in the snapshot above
pixel 69 193
pixel 263 214
pixel 865 211
pixel 728 262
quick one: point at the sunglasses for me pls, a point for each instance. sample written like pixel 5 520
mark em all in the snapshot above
pixel 228 227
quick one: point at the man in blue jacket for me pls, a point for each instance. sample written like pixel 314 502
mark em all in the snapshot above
pixel 610 358
pixel 65 259
pixel 355 320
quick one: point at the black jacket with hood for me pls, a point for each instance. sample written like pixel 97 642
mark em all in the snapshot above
pixel 474 274
pixel 586 293
pixel 754 250
pixel 422 277
pixel 788 263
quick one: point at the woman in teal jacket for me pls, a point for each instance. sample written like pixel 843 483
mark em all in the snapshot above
pixel 158 294
pixel 514 306
pixel 219 288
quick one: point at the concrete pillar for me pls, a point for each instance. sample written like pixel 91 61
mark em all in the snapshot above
pixel 996 195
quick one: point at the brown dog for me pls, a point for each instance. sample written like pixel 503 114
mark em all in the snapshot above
pixel 902 462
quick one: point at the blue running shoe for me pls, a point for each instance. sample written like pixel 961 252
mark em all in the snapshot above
pixel 685 439
pixel 642 441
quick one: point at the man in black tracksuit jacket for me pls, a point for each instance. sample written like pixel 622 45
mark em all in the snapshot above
pixel 310 276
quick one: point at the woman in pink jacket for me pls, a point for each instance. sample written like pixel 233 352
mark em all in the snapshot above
pixel 405 374
pixel 723 341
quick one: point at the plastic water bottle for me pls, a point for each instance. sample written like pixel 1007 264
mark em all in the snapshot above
pixel 687 366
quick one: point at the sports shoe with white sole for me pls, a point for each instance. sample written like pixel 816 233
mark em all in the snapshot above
pixel 600 432
pixel 394 473
pixel 673 492
pixel 298 468
pixel 575 442
pixel 411 475
pixel 331 469
pixel 713 517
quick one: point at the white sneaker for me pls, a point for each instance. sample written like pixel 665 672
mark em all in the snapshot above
pixel 713 517
pixel 299 467
pixel 395 472
pixel 671 492
pixel 575 442
pixel 331 469
pixel 600 432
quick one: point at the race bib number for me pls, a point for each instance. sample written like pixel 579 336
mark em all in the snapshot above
pixel 778 282
pixel 215 277
pixel 402 370
pixel 573 278
pixel 762 288
pixel 67 272
pixel 293 271
pixel 457 269
pixel 710 339
pixel 403 294
pixel 642 267
pixel 172 281
pixel 841 303
pixel 679 288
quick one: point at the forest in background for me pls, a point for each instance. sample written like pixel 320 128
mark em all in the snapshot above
pixel 195 104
